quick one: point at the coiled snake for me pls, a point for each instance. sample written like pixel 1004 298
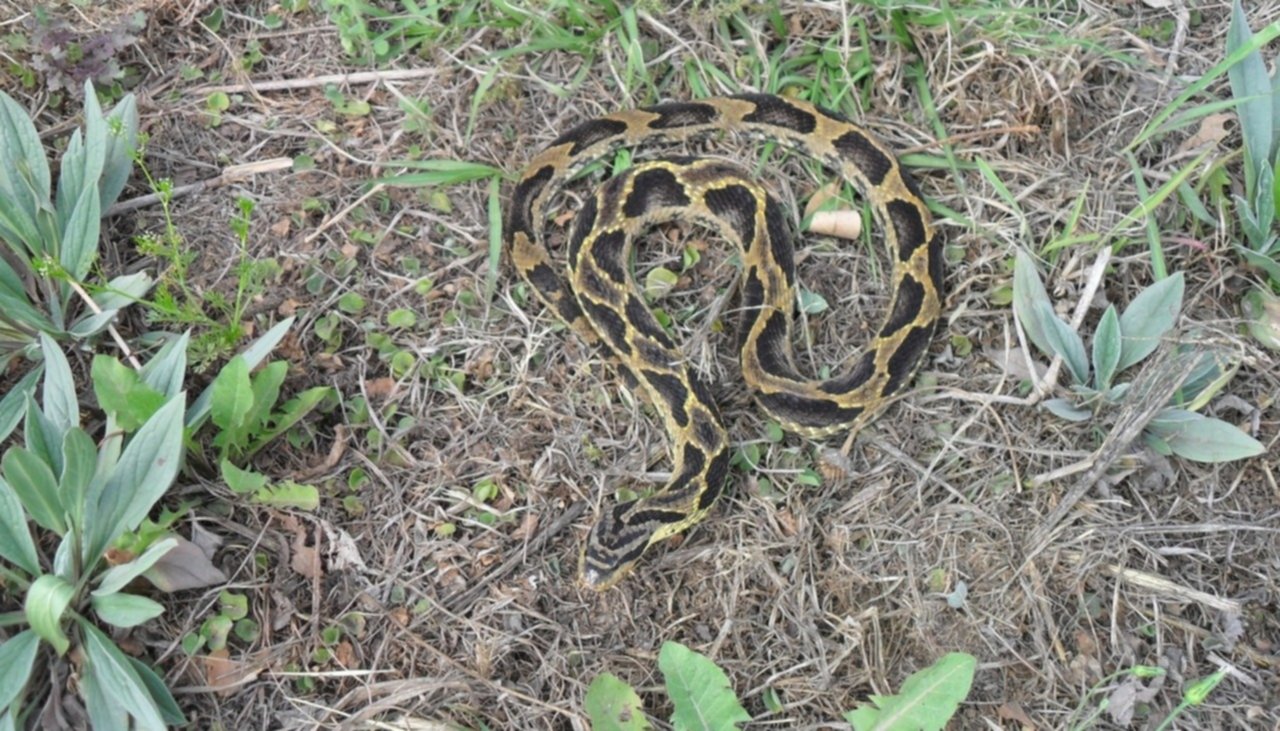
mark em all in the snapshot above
pixel 600 299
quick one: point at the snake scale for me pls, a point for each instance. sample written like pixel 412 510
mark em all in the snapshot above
pixel 599 297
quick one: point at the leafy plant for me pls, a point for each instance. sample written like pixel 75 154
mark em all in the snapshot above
pixel 218 320
pixel 1257 99
pixel 699 691
pixel 1122 698
pixel 88 499
pixel 929 698
pixel 68 58
pixel 703 699
pixel 1121 341
pixel 51 243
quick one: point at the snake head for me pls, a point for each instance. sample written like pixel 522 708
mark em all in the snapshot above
pixel 614 545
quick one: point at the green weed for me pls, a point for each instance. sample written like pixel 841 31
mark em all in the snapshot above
pixel 703 698
pixel 1123 340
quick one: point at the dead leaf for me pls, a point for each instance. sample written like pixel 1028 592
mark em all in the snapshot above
pixel 280 229
pixel 344 553
pixel 380 387
pixel 350 250
pixel 225 675
pixel 1212 131
pixel 345 655
pixel 1120 703
pixel 787 522
pixel 305 560
pixel 206 540
pixel 1014 363
pixel 185 566
pixel 1015 712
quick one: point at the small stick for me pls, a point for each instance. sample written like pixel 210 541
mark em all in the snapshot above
pixel 115 335
pixel 1150 392
pixel 362 77
pixel 228 175
pixel 1162 586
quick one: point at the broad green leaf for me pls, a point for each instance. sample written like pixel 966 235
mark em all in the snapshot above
pixel 167 368
pixel 122 393
pixel 34 484
pixel 658 282
pixel 232 397
pixel 1148 317
pixel 24 170
pixel 47 600
pixel 82 164
pixel 80 237
pixel 79 462
pixel 17 657
pixel 811 303
pixel 1065 342
pixel 1202 438
pixel 1252 91
pixel 43 438
pixel 118 678
pixel 122 143
pixel 145 470
pixel 91 324
pixel 1212 371
pixel 699 690
pixel 1106 349
pixel 1064 409
pixel 16 545
pixel 1028 295
pixel 118 577
pixel 266 389
pixel 289 494
pixel 123 291
pixel 103 709
pixel 243 482
pixel 14 404
pixel 929 698
pixel 291 413
pixel 159 693
pixel 612 705
pixel 126 610
pixel 253 355
pixel 58 395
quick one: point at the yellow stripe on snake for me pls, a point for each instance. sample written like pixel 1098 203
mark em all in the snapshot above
pixel 600 299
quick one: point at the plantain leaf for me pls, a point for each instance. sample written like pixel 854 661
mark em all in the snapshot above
pixel 1202 438
pixel 1148 317
pixel 17 657
pixel 1251 89
pixel 1065 342
pixel 46 602
pixel 118 577
pixel 16 545
pixel 928 700
pixel 612 705
pixel 1028 294
pixel 699 690
pixel 58 396
pixel 1106 349
pixel 126 610
pixel 120 681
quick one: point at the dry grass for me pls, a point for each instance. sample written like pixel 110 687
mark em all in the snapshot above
pixel 824 594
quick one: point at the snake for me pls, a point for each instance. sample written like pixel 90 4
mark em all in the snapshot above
pixel 596 293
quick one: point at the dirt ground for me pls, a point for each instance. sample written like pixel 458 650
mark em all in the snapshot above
pixel 449 559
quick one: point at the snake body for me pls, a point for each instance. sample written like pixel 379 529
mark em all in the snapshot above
pixel 600 299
